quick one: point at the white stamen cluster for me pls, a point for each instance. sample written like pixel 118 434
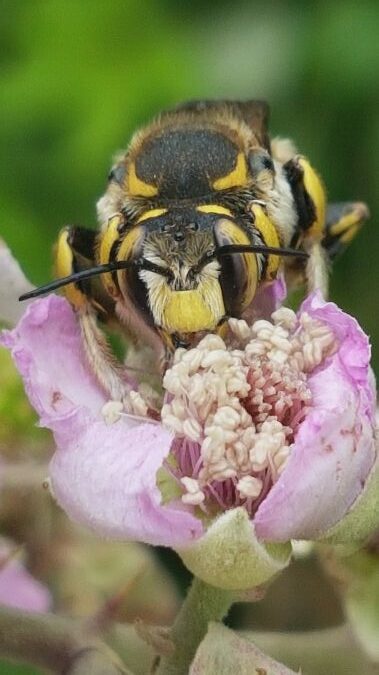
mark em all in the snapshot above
pixel 235 411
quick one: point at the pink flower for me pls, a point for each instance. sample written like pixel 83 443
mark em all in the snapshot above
pixel 12 284
pixel 309 433
pixel 18 588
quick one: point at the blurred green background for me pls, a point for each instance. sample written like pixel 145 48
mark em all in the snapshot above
pixel 77 77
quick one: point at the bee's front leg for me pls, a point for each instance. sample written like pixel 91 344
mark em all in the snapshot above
pixel 108 371
pixel 316 269
pixel 75 251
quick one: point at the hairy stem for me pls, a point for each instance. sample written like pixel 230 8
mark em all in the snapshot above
pixel 54 643
pixel 203 603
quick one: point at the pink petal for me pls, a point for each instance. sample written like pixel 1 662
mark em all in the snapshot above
pixel 47 349
pixel 106 480
pixel 18 588
pixel 13 283
pixel 268 298
pixel 334 448
pixel 103 476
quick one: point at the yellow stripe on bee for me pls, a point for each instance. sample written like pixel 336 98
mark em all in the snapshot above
pixel 138 187
pixel 153 213
pixel 315 189
pixel 108 239
pixel 128 244
pixel 214 208
pixel 350 233
pixel 270 237
pixel 345 223
pixel 64 265
pixel 235 235
pixel 236 178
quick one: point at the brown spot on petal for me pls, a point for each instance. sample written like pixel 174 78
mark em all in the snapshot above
pixel 357 432
pixel 329 448
pixel 55 398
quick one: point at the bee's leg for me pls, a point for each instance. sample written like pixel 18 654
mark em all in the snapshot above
pixel 316 268
pixel 76 251
pixel 108 371
pixel 343 222
pixel 309 197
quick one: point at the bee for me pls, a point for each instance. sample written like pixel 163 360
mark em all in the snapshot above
pixel 199 213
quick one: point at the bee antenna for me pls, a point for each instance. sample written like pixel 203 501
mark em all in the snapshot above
pixel 141 263
pixel 229 249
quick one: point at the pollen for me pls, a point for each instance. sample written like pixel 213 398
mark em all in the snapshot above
pixel 235 407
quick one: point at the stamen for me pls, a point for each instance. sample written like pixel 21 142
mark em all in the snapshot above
pixel 236 409
pixel 111 411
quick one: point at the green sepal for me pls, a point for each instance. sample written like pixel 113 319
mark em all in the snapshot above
pixel 223 652
pixel 230 556
pixel 167 485
pixel 358 579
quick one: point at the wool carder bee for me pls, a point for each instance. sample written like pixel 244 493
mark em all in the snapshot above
pixel 201 210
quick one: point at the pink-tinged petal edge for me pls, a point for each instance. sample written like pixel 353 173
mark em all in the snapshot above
pixel 13 283
pixel 106 480
pixel 104 476
pixel 47 350
pixel 268 298
pixel 18 588
pixel 334 449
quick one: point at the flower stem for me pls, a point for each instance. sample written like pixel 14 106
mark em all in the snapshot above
pixel 203 603
pixel 54 643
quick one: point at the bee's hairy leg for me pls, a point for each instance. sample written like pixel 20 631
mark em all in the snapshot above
pixel 343 222
pixel 108 371
pixel 316 270
pixel 75 251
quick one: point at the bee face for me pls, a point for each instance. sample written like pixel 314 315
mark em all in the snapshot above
pixel 192 291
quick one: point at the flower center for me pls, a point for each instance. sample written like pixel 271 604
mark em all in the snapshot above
pixel 236 408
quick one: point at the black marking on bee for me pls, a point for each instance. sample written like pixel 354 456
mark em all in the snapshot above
pixel 184 163
pixel 304 204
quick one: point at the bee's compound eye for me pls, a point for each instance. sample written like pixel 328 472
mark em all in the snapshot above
pixel 238 272
pixel 260 160
pixel 117 174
